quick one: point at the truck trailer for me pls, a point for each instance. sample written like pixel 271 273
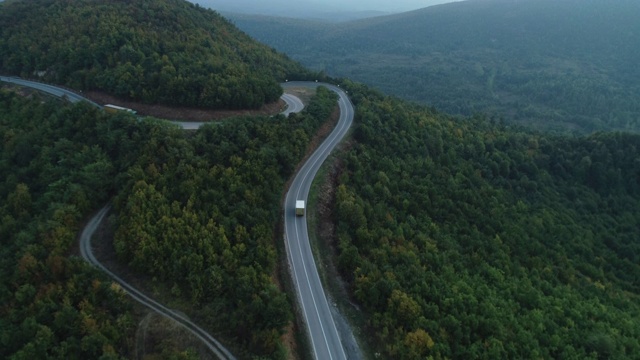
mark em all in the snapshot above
pixel 300 208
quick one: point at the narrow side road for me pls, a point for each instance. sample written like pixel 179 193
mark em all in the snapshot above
pixel 85 250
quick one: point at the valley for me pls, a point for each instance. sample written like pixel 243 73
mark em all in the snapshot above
pixel 531 63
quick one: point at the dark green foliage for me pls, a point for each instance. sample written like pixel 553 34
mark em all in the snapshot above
pixel 199 214
pixel 167 51
pixel 54 173
pixel 470 240
pixel 566 65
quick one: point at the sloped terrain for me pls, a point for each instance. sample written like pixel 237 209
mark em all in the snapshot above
pixel 169 51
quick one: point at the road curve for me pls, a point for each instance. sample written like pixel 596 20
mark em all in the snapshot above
pixel 294 104
pixel 50 89
pixel 85 250
pixel 324 336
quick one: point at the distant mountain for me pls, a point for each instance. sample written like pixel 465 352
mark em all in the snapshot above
pixel 271 8
pixel 317 11
pixel 348 16
pixel 166 51
pixel 568 64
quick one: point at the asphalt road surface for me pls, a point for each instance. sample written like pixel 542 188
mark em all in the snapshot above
pixel 294 104
pixel 50 89
pixel 324 337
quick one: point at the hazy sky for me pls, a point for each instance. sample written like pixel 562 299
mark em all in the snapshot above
pixel 287 6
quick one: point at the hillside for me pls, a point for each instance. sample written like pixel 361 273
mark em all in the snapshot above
pixel 554 65
pixel 195 213
pixel 466 239
pixel 54 173
pixel 169 52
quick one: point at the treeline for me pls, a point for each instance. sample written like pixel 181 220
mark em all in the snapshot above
pixel 169 51
pixel 469 239
pixel 199 214
pixel 54 174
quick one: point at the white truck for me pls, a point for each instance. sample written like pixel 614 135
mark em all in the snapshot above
pixel 299 207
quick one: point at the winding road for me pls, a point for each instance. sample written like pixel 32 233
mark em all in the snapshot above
pixel 325 338
pixel 323 334
pixel 294 104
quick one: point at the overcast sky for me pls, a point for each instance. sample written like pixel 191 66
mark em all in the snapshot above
pixel 271 6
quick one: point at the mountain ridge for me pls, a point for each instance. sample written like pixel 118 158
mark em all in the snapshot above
pixel 555 65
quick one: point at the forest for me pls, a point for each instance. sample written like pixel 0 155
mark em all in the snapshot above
pixel 169 52
pixel 458 237
pixel 197 211
pixel 471 239
pixel 201 214
pixel 53 304
pixel 562 66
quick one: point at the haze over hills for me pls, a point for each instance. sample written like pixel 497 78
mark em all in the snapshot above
pixel 328 10
pixel 564 65
pixel 320 12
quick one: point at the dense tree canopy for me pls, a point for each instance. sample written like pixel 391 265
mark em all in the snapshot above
pixel 167 51
pixel 54 174
pixel 198 212
pixel 472 240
